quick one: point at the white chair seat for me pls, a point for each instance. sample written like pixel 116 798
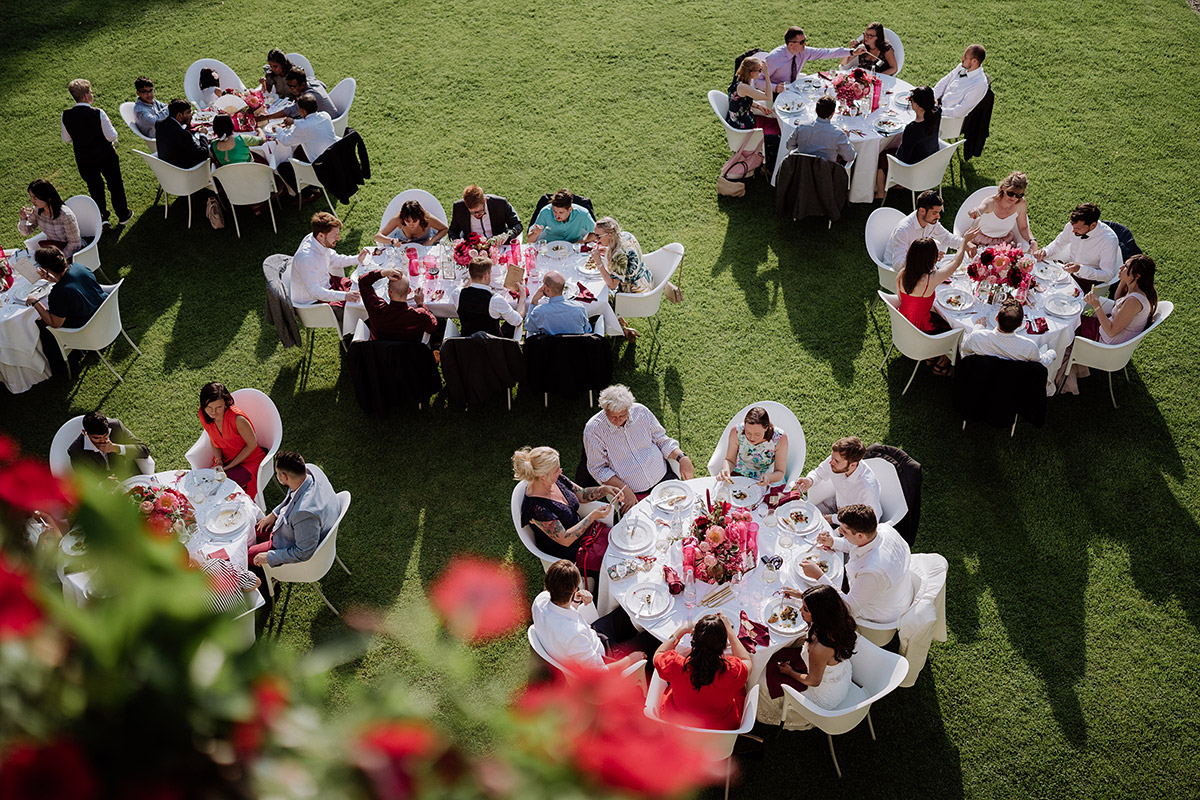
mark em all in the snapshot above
pixel 925 174
pixel 245 185
pixel 307 176
pixel 893 39
pixel 878 233
pixel 179 182
pixel 1112 357
pixel 428 202
pixel 915 343
pixel 895 507
pixel 98 332
pixel 738 139
pixel 191 80
pixel 129 114
pixel 662 264
pixel 962 220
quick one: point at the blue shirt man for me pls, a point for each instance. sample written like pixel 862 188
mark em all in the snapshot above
pixel 558 315
pixel 147 110
pixel 821 137
pixel 562 220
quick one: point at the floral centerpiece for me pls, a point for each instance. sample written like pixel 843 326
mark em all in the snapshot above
pixel 6 271
pixel 475 245
pixel 166 510
pixel 724 536
pixel 1003 266
pixel 851 87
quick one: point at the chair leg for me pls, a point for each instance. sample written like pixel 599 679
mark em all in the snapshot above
pixel 508 397
pixel 66 360
pixel 1126 371
pixel 327 200
pixel 287 595
pixel 1013 432
pixel 166 204
pixel 836 768
pixel 317 584
pixel 110 369
pixel 886 356
pixel 271 209
pixel 964 425
pixel 236 226
pixel 342 564
pixel 546 399
pixel 914 196
pixel 131 344
pixel 189 202
pixel 870 725
pixel 591 400
pixel 910 377
pixel 1110 391
pixel 728 770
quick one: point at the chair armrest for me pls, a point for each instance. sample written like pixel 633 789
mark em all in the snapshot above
pixel 200 456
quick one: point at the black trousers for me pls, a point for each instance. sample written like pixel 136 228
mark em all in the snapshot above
pixel 95 174
pixel 620 637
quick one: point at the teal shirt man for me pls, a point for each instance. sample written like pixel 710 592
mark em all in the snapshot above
pixel 573 229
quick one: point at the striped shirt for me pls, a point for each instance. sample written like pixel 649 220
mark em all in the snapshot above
pixel 635 452
pixel 63 228
pixel 227 584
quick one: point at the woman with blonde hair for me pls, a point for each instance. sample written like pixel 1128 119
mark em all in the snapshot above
pixel 618 256
pixel 551 508
pixel 1004 218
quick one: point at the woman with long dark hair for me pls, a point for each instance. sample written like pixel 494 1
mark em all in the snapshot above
pixel 920 139
pixel 705 687
pixel 235 447
pixel 879 54
pixel 275 73
pixel 54 217
pixel 832 636
pixel 919 278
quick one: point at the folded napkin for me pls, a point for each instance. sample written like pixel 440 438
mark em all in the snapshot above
pixel 585 248
pixel 584 296
pixel 776 499
pixel 776 679
pixel 753 634
pixel 674 584
pixel 219 554
pixel 1036 326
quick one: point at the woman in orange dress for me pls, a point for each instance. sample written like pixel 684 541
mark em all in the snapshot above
pixel 235 447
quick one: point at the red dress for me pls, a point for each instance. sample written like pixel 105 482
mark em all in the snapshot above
pixel 717 705
pixel 917 310
pixel 231 443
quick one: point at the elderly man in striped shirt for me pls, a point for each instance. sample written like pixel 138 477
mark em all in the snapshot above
pixel 628 447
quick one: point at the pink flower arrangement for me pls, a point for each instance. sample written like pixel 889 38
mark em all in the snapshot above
pixel 851 86
pixel 724 533
pixel 1003 264
pixel 166 509
pixel 473 245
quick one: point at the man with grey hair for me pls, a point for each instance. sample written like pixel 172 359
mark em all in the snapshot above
pixel 558 315
pixel 628 447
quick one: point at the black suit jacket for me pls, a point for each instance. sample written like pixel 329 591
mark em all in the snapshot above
pixel 503 218
pixel 177 146
pixel 114 464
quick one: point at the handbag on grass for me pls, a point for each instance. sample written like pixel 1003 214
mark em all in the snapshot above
pixel 215 214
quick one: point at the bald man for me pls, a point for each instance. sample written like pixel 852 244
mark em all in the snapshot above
pixel 557 315
pixel 395 321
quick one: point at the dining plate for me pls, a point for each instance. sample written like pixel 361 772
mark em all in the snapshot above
pixel 200 482
pixel 820 556
pixel 648 600
pixel 672 496
pixel 798 516
pixel 227 518
pixel 1050 271
pixel 636 535
pixel 558 249
pixel 586 269
pixel 954 299
pixel 744 492
pixel 1061 305
pixel 73 545
pixel 782 615
pixel 791 106
pixel 888 125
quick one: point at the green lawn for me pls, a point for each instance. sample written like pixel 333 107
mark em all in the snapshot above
pixel 1073 600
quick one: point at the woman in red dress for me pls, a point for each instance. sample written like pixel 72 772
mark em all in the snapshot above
pixel 706 688
pixel 235 447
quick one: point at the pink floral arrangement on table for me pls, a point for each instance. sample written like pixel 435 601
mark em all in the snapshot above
pixel 1004 265
pixel 167 510
pixel 852 86
pixel 466 249
pixel 723 535
pixel 6 271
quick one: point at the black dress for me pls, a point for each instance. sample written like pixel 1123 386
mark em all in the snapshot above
pixel 917 143
pixel 547 510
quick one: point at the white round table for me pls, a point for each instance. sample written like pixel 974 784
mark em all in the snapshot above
pixel 22 362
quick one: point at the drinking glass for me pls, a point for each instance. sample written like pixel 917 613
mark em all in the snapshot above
pixel 220 471
pixel 786 537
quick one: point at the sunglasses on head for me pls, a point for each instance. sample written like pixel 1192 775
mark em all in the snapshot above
pixel 1014 195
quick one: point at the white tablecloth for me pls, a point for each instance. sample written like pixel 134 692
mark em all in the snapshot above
pixel 867 142
pixel 751 596
pixel 22 362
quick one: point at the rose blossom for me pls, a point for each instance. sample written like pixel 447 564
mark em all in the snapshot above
pixel 479 600
pixel 19 614
pixel 715 535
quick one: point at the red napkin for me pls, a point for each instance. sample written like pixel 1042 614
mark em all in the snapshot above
pixel 584 295
pixel 776 500
pixel 585 248
pixel 674 584
pixel 223 555
pixel 753 634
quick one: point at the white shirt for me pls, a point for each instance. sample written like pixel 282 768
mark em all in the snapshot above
pixel 859 486
pixel 315 132
pixel 87 445
pixel 1098 256
pixel 880 588
pixel 909 231
pixel 961 90
pixel 566 633
pixel 635 452
pixel 1013 346
pixel 498 306
pixel 482 226
pixel 311 267
pixel 106 126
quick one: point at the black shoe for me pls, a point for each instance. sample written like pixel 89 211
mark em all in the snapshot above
pixel 106 224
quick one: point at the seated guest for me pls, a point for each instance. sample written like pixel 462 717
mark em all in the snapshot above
pixel 825 653
pixel 558 315
pixel 786 62
pixel 756 450
pixel 821 138
pixel 751 107
pixel 393 320
pixel 618 256
pixel 879 55
pixel 853 481
pixel 916 283
pixel 877 569
pixel 299 84
pixel 52 216
pixel 231 434
pixel 490 216
pixel 920 139
pixel 563 221
pixel 75 296
pixel 922 223
pixel 964 86
pixel 1004 217
pixel 310 135
pixel 275 73
pixel 1005 342
pixel 147 111
pixel 107 447
pixel 303 519
pixel 565 621
pixel 628 447
pixel 1089 247
pixel 318 271
pixel 705 687
pixel 480 308
pixel 413 225
pixel 210 87
pixel 177 145
pixel 551 509
pixel 228 583
pixel 229 147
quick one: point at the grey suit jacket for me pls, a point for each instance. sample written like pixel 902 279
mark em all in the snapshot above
pixel 303 519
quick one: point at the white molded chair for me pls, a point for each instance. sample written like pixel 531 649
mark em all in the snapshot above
pixel 307 176
pixel 962 220
pixel 342 97
pixel 783 419
pixel 127 114
pixel 87 216
pixel 312 570
pixel 875 673
pixel 191 80
pixel 880 226
pixel 738 138
pixel 180 182
pixel 318 315
pixel 891 495
pixel 428 202
pixel 1113 357
pixel 636 671
pixel 68 432
pixel 662 264
pixel 246 633
pixel 893 39
pixel 721 742
pixel 302 62
pixel 950 128
pixel 98 332
pixel 268 430
pixel 526 536
pixel 915 343
pixel 925 174
pixel 247 184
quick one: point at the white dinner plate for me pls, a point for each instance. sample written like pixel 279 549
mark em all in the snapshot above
pixel 584 269
pixel 73 545
pixel 201 482
pixel 1050 271
pixel 744 492
pixel 227 518
pixel 953 299
pixel 791 106
pixel 636 535
pixel 671 496
pixel 821 556
pixel 1061 305
pixel 559 249
pixel 148 481
pixel 776 607
pixel 888 125
pixel 798 516
pixel 648 600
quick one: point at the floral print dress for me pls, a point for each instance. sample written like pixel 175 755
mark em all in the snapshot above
pixel 740 116
pixel 627 267
pixel 755 460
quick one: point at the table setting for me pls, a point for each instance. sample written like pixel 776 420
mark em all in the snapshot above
pixel 22 360
pixel 870 120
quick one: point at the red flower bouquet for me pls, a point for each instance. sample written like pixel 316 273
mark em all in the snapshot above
pixel 167 510
pixel 1004 265
pixel 850 87
pixel 723 533
pixel 473 245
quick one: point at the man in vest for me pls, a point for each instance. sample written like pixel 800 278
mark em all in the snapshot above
pixel 91 133
pixel 481 310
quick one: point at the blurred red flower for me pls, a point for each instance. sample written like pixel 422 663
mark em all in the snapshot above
pixel 389 752
pixel 479 600
pixel 19 614
pixel 59 769
pixel 29 485
pixel 270 699
pixel 8 449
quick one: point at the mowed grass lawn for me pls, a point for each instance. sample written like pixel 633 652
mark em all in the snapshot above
pixel 1072 597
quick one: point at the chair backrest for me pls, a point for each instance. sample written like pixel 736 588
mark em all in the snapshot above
pixel 536 643
pixel 130 116
pixel 322 558
pixel 783 419
pixel 962 220
pixel 719 740
pixel 268 427
pixel 98 332
pixel 891 495
pixel 523 532
pixel 317 315
pixel 302 62
pixel 950 128
pixel 738 139
pixel 662 263
pixel 87 214
pixel 893 39
pixel 68 432
pixel 191 80
pixel 342 97
pixel 926 173
pixel 1112 357
pixel 914 342
pixel 427 201
pixel 246 184
pixel 875 670
pixel 880 225
pixel 176 180
pixel 1129 246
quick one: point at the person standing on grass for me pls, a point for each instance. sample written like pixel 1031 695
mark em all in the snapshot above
pixel 91 133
